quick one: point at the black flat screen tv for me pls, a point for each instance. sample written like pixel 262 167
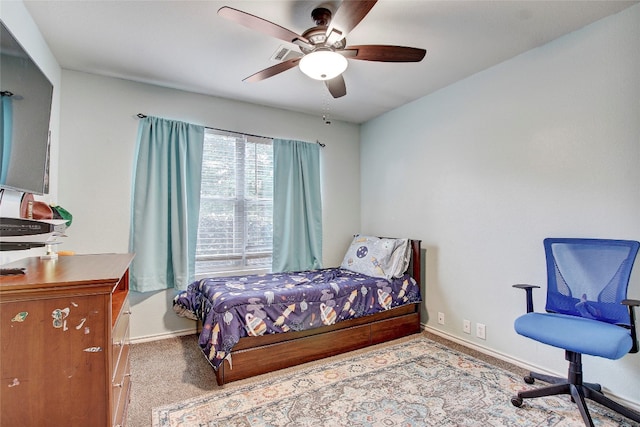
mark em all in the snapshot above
pixel 25 112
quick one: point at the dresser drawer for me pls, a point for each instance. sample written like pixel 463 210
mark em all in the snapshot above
pixel 121 393
pixel 121 374
pixel 122 369
pixel 120 339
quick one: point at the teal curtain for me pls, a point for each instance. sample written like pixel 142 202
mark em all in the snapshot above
pixel 6 133
pixel 297 206
pixel 166 203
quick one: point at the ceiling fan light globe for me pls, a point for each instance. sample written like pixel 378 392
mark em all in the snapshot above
pixel 323 64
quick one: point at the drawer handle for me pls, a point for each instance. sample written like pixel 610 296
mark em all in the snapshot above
pixel 122 383
pixel 127 312
pixel 119 344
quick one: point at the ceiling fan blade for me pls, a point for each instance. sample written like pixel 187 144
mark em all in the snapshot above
pixel 255 23
pixel 385 53
pixel 336 86
pixel 348 15
pixel 272 71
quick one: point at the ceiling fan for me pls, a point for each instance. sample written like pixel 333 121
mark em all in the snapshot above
pixel 324 47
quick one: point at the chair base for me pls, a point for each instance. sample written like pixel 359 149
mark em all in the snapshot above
pixel 574 387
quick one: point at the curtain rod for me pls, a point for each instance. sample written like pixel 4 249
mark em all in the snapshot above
pixel 142 116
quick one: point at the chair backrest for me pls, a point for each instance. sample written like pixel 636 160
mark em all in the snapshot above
pixel 589 277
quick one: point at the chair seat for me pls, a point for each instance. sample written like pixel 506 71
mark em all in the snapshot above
pixel 577 334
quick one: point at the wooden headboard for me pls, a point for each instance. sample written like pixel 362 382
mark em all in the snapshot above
pixel 415 265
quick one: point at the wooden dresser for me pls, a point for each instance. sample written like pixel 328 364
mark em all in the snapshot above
pixel 64 342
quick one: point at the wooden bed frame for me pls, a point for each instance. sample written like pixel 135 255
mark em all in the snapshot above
pixel 253 356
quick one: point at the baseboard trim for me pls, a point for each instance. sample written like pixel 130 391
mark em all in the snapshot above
pixel 163 336
pixel 517 362
pixel 489 352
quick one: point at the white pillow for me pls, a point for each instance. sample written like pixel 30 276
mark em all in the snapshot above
pixel 377 257
pixel 400 258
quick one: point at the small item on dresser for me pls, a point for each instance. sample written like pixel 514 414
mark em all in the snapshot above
pixel 32 209
pixel 51 252
pixel 42 210
pixel 11 227
pixel 11 271
pixel 26 206
pixel 61 213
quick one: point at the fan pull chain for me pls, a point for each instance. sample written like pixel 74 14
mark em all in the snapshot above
pixel 325 114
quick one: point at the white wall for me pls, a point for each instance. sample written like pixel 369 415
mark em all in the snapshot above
pixel 98 135
pixel 545 144
pixel 19 22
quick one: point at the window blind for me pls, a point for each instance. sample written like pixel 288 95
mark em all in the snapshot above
pixel 235 231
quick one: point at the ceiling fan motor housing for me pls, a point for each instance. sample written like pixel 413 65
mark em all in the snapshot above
pixel 317 35
pixel 321 16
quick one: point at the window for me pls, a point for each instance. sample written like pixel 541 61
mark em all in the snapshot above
pixel 235 230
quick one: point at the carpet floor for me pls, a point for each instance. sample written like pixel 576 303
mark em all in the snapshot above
pixel 410 382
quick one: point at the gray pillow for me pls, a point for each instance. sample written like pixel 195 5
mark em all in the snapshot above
pixel 377 257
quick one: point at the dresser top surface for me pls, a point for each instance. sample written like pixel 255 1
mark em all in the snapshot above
pixel 66 271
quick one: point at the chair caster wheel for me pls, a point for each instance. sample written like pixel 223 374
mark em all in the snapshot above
pixel 516 401
pixel 529 379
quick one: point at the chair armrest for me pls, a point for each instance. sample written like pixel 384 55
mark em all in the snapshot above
pixel 529 290
pixel 632 320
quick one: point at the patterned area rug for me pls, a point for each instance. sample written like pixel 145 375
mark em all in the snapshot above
pixel 415 383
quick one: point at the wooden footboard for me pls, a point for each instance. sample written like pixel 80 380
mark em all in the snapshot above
pixel 267 353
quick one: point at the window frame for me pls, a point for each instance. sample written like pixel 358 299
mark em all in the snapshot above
pixel 240 201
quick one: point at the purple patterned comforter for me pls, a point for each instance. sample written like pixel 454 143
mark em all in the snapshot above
pixel 235 307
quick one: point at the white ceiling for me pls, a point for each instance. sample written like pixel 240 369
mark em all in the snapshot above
pixel 186 45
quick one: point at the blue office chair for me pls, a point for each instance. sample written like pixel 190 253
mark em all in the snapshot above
pixel 587 313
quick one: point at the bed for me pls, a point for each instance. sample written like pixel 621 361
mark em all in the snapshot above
pixel 257 324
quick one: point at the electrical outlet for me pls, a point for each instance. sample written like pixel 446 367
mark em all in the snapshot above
pixel 481 331
pixel 466 326
pixel 441 318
